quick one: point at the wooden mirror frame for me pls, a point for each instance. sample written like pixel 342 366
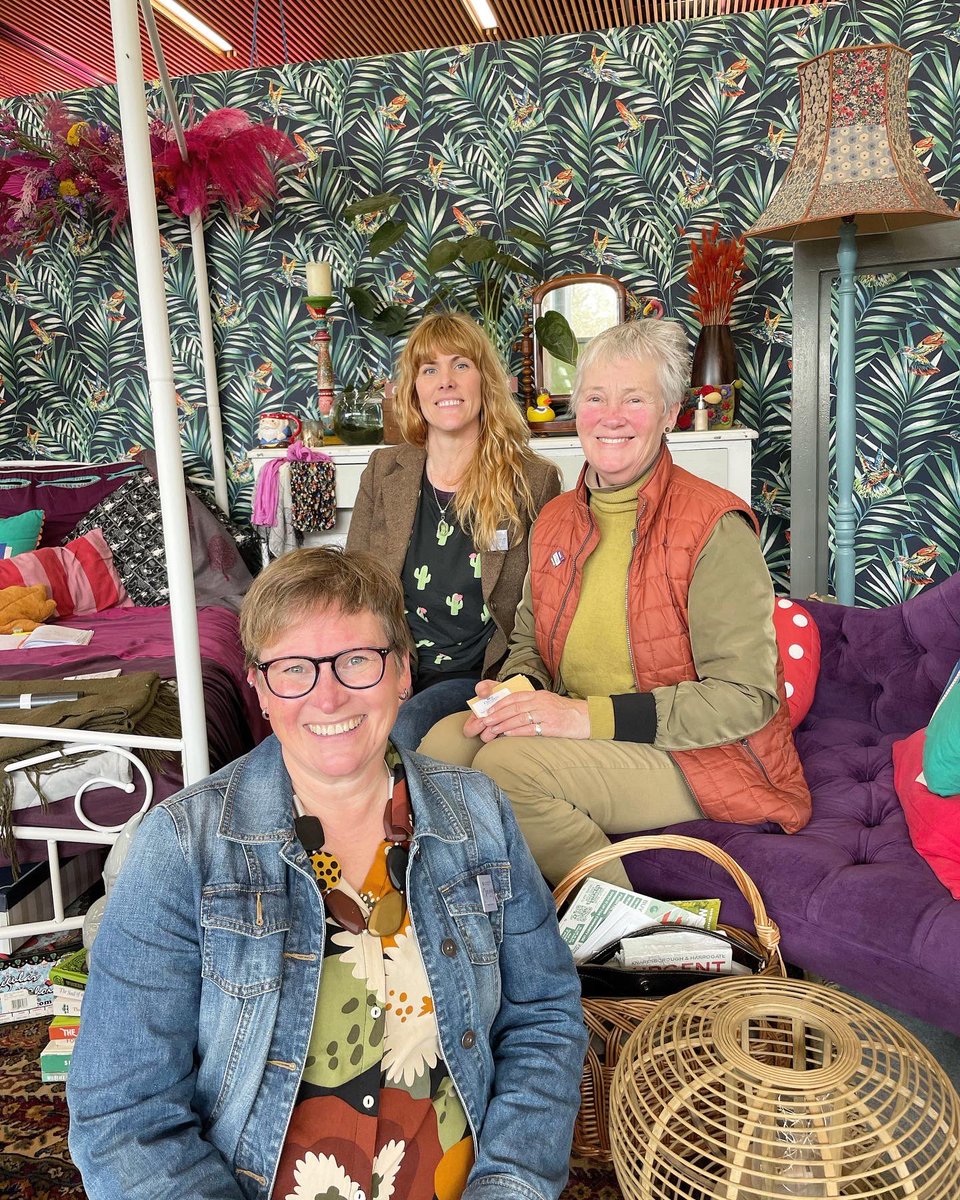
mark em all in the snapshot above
pixel 553 285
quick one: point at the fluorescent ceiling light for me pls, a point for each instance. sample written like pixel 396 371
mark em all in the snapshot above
pixel 482 13
pixel 193 25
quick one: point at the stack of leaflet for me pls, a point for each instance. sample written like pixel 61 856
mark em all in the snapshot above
pixel 601 914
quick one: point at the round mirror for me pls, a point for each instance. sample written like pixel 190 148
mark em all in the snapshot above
pixel 591 304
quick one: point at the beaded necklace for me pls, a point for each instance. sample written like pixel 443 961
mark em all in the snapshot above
pixel 386 916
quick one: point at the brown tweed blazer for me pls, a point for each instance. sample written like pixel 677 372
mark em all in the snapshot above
pixel 382 521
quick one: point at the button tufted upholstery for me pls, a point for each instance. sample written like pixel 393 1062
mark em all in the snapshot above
pixel 853 899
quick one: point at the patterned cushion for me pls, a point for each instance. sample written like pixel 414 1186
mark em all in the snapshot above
pixel 79 576
pixel 799 643
pixel 131 524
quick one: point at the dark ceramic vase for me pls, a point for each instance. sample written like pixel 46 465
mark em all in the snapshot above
pixel 714 359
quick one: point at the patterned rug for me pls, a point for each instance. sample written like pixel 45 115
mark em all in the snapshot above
pixel 35 1165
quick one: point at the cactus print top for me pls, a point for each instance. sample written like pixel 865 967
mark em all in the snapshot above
pixel 442 593
pixel 377 1114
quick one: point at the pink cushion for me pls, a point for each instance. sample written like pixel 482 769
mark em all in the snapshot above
pixel 79 576
pixel 933 821
pixel 799 641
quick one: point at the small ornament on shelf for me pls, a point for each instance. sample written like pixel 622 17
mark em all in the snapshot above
pixel 541 410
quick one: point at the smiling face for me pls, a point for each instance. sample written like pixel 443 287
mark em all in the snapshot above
pixel 620 419
pixel 334 734
pixel 450 394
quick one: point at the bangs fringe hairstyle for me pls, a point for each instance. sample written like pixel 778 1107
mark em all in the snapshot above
pixel 493 491
pixel 663 341
pixel 309 580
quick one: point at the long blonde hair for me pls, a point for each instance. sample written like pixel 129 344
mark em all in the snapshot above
pixel 493 491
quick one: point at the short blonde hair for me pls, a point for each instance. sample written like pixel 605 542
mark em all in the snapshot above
pixel 493 491
pixel 638 341
pixel 306 581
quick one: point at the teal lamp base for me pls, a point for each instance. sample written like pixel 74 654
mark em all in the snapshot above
pixel 845 516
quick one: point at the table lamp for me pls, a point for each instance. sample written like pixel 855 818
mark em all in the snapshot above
pixel 853 168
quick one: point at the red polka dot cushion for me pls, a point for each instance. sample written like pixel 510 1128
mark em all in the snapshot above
pixel 799 642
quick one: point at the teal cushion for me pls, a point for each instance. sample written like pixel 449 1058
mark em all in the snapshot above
pixel 941 750
pixel 21 533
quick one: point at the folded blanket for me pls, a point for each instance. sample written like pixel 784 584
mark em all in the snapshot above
pixel 140 703
pixel 24 608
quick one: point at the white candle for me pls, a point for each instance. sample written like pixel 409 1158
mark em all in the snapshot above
pixel 319 279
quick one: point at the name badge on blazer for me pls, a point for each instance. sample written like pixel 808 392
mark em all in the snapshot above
pixel 501 540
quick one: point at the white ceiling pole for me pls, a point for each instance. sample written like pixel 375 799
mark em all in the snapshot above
pixel 204 314
pixel 156 340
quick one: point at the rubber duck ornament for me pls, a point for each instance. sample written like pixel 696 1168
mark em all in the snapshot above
pixel 541 411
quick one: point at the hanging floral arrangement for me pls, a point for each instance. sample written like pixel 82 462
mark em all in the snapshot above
pixel 74 170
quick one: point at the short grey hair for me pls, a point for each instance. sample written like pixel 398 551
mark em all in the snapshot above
pixel 663 341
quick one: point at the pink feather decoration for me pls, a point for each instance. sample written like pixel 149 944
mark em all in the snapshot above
pixel 228 159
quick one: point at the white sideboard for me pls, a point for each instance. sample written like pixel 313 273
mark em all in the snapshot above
pixel 723 456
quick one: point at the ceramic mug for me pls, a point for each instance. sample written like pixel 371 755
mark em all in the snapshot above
pixel 277 428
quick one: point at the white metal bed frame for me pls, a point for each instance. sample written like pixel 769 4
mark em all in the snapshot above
pixel 192 744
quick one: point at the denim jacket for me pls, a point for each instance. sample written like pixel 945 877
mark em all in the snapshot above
pixel 206 968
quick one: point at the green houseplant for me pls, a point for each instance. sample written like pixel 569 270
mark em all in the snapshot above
pixel 472 273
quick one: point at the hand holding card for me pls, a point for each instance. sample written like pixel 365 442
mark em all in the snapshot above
pixel 481 705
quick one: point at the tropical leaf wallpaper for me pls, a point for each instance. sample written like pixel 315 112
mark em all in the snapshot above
pixel 613 148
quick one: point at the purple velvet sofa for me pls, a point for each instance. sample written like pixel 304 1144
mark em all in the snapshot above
pixel 854 901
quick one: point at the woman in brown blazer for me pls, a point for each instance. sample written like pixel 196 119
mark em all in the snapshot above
pixel 449 510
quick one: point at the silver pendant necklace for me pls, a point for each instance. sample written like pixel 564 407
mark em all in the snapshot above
pixel 444 528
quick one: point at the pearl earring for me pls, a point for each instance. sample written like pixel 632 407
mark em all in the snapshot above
pixel 405 694
pixel 265 713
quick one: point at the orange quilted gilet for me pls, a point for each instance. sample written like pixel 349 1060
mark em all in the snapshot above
pixel 756 779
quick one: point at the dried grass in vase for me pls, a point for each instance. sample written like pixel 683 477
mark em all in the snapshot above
pixel 715 276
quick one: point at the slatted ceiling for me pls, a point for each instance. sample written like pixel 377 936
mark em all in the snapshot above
pixel 316 29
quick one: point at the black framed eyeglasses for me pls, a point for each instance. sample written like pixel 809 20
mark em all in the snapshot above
pixel 294 676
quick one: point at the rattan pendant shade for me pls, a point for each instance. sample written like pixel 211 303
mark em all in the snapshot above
pixel 756 1089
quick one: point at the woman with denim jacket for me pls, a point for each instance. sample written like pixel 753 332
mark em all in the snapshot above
pixel 328 968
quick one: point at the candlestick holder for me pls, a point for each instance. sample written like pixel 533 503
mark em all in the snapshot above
pixel 317 308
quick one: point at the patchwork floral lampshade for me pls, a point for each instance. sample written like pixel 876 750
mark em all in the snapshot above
pixel 853 171
pixel 853 156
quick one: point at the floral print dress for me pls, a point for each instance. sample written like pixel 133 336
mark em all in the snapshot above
pixel 377 1114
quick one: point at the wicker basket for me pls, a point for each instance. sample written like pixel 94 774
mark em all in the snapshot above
pixel 611 1022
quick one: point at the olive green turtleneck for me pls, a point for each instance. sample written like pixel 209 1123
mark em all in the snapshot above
pixel 596 655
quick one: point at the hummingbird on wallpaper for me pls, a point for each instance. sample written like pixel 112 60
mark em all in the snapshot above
pixel 402 287
pixel 634 121
pixel 114 305
pixel 468 224
pixel 392 112
pixel 463 53
pixel 524 109
pixel 260 377
pixel 558 186
pixel 729 77
pixel 432 174
pixel 595 68
pixel 46 338
pixel 876 475
pixel 919 355
pixel 916 565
